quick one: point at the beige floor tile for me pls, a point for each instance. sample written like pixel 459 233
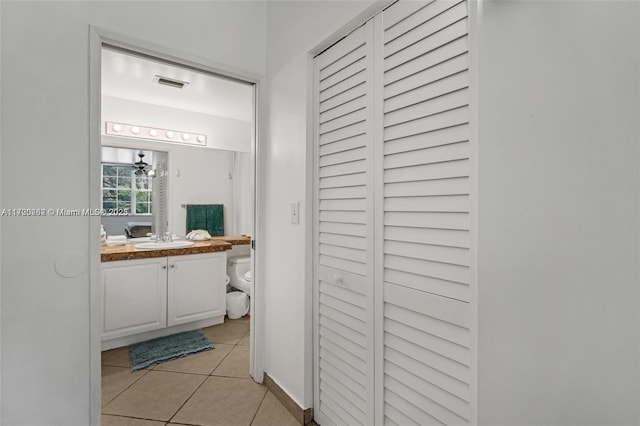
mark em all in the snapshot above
pixel 128 421
pixel 200 363
pixel 223 401
pixel 118 357
pixel 117 379
pixel 273 413
pixel 230 332
pixel 244 319
pixel 245 340
pixel 157 395
pixel 236 364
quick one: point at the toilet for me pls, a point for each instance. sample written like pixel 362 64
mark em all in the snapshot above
pixel 239 272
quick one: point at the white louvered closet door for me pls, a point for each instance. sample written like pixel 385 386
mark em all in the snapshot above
pixel 393 203
pixel 343 235
pixel 425 243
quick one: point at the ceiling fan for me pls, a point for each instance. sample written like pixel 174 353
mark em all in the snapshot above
pixel 141 167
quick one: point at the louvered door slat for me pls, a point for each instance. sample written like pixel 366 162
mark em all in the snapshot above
pixel 424 62
pixel 343 109
pixel 445 170
pixel 453 134
pixel 449 84
pixel 419 17
pixel 344 73
pixel 426 76
pixel 449 384
pixel 437 39
pixel 440 237
pixel 452 186
pixel 431 106
pixel 453 255
pixel 438 154
pixel 344 97
pixel 438 15
pixel 427 124
pixel 344 335
pixel 337 387
pixel 343 241
pixel 344 61
pixel 343 145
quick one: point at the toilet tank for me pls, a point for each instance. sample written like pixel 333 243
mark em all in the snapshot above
pixel 237 267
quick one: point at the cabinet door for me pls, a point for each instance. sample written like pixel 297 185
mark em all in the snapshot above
pixel 134 296
pixel 196 287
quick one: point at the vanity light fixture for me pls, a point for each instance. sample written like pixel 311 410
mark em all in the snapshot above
pixel 156 134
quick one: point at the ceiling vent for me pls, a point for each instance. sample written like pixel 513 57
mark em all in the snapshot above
pixel 171 82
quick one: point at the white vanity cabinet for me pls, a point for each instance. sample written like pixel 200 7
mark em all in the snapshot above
pixel 196 287
pixel 134 296
pixel 147 298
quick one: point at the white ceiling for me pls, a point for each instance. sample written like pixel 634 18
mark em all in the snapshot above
pixel 124 156
pixel 131 77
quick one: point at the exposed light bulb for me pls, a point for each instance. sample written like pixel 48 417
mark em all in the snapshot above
pixel 135 130
pixel 153 132
pixel 169 134
pixel 200 138
pixel 185 136
pixel 117 127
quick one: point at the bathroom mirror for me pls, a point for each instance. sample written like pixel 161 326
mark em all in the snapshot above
pixel 133 191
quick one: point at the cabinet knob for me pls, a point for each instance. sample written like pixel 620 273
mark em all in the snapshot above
pixel 173 266
pixel 164 266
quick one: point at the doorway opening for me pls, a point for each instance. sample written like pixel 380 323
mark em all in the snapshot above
pixel 172 136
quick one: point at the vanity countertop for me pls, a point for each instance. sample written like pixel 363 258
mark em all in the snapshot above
pixel 130 252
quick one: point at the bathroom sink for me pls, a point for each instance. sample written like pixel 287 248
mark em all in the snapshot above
pixel 164 245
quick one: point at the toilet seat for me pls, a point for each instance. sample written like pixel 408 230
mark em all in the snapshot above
pixel 242 285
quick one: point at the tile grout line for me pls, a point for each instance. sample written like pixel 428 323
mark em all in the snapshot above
pixel 201 384
pixel 259 406
pixel 152 368
pixel 187 400
pixel 122 391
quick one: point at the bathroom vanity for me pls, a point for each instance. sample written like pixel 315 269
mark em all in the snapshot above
pixel 152 293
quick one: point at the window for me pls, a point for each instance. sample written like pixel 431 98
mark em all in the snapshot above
pixel 123 189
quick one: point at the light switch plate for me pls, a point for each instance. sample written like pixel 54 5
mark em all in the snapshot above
pixel 294 212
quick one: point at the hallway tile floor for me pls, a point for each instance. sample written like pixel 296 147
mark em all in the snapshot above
pixel 212 388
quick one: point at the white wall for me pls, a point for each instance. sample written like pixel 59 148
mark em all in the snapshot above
pixel 44 105
pixel 199 176
pixel 558 213
pixel 294 28
pixel 222 132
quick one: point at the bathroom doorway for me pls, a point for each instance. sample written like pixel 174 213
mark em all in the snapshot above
pixel 209 142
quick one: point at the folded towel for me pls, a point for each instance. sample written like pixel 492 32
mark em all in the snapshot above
pixel 116 243
pixel 117 238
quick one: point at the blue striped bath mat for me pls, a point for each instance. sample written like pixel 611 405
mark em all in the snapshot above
pixel 167 348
